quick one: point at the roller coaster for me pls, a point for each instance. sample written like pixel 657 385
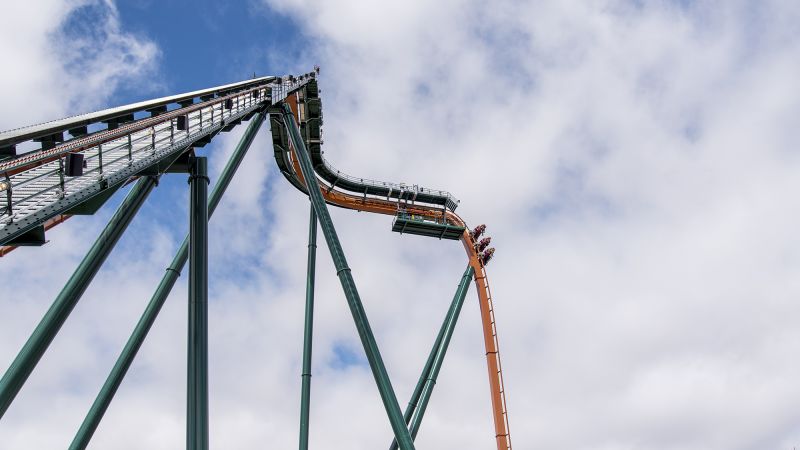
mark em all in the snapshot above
pixel 55 170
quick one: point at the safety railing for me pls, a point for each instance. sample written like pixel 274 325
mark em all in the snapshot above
pixel 35 186
pixel 288 84
pixel 401 191
pixel 393 187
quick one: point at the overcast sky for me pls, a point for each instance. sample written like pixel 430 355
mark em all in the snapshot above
pixel 636 164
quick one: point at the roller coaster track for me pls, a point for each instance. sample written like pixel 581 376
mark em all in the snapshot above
pixel 43 188
pixel 286 157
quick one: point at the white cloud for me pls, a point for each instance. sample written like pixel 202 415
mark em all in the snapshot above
pixel 55 66
pixel 67 57
pixel 634 163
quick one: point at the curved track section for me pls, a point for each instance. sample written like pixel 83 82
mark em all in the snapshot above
pixel 387 198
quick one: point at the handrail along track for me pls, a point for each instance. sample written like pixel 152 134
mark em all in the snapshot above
pixel 36 187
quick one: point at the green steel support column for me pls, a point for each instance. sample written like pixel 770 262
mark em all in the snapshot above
pixel 412 403
pixel 197 373
pixel 305 395
pixel 388 397
pixel 55 317
pixel 426 370
pixel 450 324
pixel 125 359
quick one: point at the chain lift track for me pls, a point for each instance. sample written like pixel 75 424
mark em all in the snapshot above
pixel 36 186
pixel 76 175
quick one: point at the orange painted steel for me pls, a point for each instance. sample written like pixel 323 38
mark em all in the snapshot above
pixel 380 206
pixel 503 434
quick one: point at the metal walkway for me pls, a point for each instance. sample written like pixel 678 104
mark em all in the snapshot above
pixel 36 187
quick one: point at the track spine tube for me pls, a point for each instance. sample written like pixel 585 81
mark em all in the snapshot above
pixel 197 370
pixel 135 341
pixel 54 319
pixel 308 330
pixel 348 285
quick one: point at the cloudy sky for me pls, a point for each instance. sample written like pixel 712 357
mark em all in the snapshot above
pixel 635 163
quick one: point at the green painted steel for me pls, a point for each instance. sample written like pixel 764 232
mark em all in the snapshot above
pixel 112 383
pixel 450 324
pixel 438 350
pixel 51 323
pixel 412 403
pixel 93 204
pixel 100 405
pixel 311 131
pixel 305 393
pixel 197 370
pixel 349 286
pixel 423 226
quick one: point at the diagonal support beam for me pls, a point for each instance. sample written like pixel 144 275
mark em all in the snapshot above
pixel 349 286
pixel 427 379
pixel 51 323
pixel 112 383
pixel 305 392
pixel 450 324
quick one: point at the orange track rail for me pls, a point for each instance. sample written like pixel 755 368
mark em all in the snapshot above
pixel 61 218
pixel 380 206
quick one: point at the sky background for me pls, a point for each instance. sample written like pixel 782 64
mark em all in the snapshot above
pixel 635 163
